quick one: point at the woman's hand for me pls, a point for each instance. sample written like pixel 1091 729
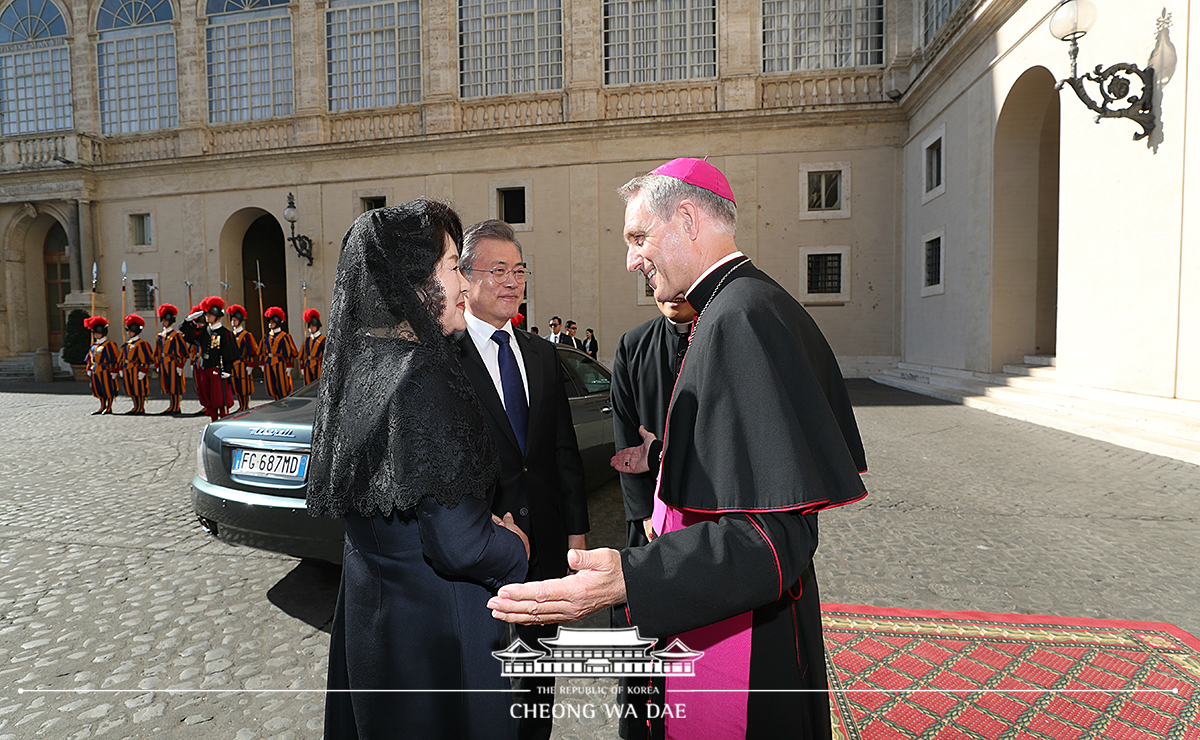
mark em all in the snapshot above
pixel 508 523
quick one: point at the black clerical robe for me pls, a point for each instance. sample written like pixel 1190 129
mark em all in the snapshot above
pixel 644 371
pixel 759 437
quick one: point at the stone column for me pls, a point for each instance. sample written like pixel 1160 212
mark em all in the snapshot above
pixel 439 51
pixel 87 248
pixel 739 47
pixel 583 58
pixel 73 255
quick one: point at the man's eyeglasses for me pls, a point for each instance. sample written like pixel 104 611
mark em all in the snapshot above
pixel 500 274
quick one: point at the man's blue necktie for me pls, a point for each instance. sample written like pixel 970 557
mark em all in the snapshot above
pixel 515 404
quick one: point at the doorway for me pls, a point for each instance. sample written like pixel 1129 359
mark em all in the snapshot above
pixel 1025 169
pixel 58 283
pixel 263 259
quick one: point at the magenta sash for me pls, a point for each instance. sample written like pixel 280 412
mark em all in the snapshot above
pixel 724 670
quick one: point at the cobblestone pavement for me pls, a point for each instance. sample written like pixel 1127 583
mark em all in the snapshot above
pixel 140 624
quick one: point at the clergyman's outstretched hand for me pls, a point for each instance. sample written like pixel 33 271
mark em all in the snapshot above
pixel 634 459
pixel 597 583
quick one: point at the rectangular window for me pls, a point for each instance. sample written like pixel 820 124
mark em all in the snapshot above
pixel 803 35
pixel 35 89
pixel 824 191
pixel 934 171
pixel 933 165
pixel 509 47
pixel 249 68
pixel 373 54
pixel 825 273
pixel 137 82
pixel 143 297
pixel 139 229
pixel 659 40
pixel 510 205
pixel 933 264
pixel 370 204
pixel 936 13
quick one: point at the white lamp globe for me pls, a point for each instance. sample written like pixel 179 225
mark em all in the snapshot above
pixel 1072 19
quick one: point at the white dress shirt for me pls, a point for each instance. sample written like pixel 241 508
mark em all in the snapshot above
pixel 481 333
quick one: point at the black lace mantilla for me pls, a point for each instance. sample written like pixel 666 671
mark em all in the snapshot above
pixel 397 419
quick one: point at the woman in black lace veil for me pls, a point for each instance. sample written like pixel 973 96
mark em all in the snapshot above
pixel 401 452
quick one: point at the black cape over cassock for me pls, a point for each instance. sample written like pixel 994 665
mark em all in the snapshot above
pixel 760 436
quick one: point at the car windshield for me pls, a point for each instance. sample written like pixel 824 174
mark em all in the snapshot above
pixel 308 391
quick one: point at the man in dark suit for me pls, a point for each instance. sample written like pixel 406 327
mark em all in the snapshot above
pixel 521 386
pixel 570 340
pixel 555 336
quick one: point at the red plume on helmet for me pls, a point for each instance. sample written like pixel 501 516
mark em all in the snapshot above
pixel 133 322
pixel 166 310
pixel 236 311
pixel 275 312
pixel 92 323
pixel 214 305
pixel 196 309
pixel 311 314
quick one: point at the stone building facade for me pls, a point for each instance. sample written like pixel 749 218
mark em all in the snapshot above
pixel 167 135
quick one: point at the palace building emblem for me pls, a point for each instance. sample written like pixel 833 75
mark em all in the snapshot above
pixel 597 652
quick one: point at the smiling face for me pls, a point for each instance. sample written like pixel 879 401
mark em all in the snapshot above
pixel 454 287
pixel 490 300
pixel 660 250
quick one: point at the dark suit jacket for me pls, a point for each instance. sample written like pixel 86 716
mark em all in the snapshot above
pixel 544 488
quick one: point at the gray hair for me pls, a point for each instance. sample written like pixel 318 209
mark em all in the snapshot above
pixel 664 194
pixel 491 229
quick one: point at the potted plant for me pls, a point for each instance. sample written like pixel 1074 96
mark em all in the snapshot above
pixel 76 341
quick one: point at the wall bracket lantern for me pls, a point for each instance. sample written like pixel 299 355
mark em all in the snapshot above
pixel 1070 22
pixel 301 243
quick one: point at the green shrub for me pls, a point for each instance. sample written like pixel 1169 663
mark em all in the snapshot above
pixel 77 338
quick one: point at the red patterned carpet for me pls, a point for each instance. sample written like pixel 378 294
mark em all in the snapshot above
pixel 973 676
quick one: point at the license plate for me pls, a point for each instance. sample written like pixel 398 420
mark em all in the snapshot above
pixel 289 465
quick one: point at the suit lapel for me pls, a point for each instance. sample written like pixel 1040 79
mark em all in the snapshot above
pixel 485 387
pixel 531 355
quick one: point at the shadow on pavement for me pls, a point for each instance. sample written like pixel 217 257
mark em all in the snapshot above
pixel 866 392
pixel 309 592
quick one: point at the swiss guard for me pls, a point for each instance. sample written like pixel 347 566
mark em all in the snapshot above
pixel 312 352
pixel 171 354
pixel 243 366
pixel 218 353
pixel 136 361
pixel 278 354
pixel 103 364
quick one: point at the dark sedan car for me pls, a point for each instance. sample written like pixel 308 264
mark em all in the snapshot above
pixel 251 468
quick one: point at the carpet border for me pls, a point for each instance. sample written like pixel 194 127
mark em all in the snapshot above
pixel 1037 619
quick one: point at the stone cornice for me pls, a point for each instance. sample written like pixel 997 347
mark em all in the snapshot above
pixel 963 35
pixel 539 136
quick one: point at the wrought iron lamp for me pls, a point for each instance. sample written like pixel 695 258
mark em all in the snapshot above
pixel 1071 20
pixel 302 244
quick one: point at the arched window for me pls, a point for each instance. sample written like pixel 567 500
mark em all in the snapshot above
pixel 373 53
pixel 35 69
pixel 249 59
pixel 136 65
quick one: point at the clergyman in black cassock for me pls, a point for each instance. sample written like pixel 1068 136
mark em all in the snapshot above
pixel 644 371
pixel 759 437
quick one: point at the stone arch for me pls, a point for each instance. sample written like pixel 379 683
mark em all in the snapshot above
pixel 24 287
pixel 1025 173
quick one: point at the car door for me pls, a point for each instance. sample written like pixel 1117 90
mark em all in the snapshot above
pixel 591 412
